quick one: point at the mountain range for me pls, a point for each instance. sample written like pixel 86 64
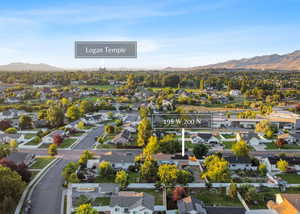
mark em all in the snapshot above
pixel 290 61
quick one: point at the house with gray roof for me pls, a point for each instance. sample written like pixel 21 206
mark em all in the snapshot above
pixel 132 203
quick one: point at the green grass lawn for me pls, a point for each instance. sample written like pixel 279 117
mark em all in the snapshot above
pixel 32 142
pixel 228 145
pixel 216 197
pixel 101 201
pixel 133 177
pixel 228 136
pixel 77 134
pixel 290 178
pixel 107 179
pixel 286 146
pixel 41 162
pixel 67 143
pixel 29 136
pixel 156 193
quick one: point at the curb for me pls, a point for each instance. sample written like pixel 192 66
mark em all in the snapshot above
pixel 32 184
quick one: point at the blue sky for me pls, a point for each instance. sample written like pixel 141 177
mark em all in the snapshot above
pixel 169 32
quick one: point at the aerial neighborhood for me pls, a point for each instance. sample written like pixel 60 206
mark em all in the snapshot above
pixel 94 134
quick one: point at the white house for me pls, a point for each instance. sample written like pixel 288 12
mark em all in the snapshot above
pixel 240 163
pixel 271 163
pixel 207 138
pixel 118 160
pixel 6 138
pixel 235 93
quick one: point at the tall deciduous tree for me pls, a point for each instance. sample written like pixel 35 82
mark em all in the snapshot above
pixel 86 209
pixel 55 116
pixel 167 174
pixel 25 122
pixel 73 113
pixel 11 188
pixel 144 132
pixel 282 165
pixel 241 148
pixel 122 179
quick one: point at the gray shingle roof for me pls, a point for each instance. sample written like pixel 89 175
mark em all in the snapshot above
pixel 132 200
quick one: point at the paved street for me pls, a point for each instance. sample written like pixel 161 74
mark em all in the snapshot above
pixel 46 197
pixel 88 141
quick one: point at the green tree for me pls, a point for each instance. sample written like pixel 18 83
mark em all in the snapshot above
pixel 85 107
pixel 167 174
pixel 262 169
pixel 52 149
pixel 130 81
pixel 69 169
pixel 122 179
pixel 55 116
pixel 263 126
pixel 4 151
pixel 80 125
pixel 11 188
pixel 216 168
pixel 105 169
pixel 200 150
pixel 85 156
pixel 73 113
pixel 25 122
pixel 144 132
pixel 148 171
pixel 11 130
pixel 152 146
pixel 241 148
pixel 73 178
pixel 282 165
pixel 109 129
pixel 144 111
pixel 86 209
pixel 232 191
pixel 184 177
pixel 13 144
pixel 201 84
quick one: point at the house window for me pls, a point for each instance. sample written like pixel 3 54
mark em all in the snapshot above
pixel 117 209
pixel 126 210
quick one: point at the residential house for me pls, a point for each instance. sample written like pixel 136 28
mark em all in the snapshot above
pixel 191 205
pixel 252 138
pixel 240 163
pixel 207 138
pixel 21 157
pixel 285 204
pixel 118 160
pixel 123 138
pixel 176 159
pixel 132 203
pixel 288 138
pixel 235 93
pixel 271 163
pixel 48 139
pixel 9 114
pixel 6 138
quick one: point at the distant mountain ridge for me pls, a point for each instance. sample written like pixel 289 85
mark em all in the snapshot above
pixel 289 61
pixel 18 66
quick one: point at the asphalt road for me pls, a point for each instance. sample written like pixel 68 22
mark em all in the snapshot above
pixel 47 196
pixel 89 140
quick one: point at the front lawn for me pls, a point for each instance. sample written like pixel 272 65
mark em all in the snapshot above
pixel 101 201
pixel 29 136
pixel 41 162
pixel 228 145
pixel 290 178
pixel 67 143
pixel 286 146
